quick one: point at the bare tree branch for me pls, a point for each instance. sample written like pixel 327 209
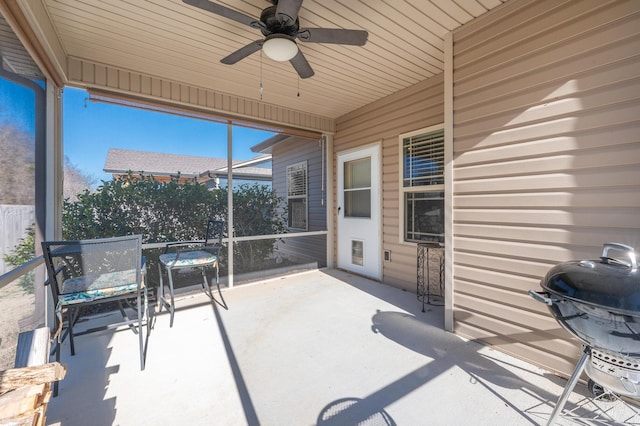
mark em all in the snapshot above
pixel 17 166
pixel 75 181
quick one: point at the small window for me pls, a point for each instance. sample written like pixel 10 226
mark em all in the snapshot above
pixel 422 159
pixel 297 196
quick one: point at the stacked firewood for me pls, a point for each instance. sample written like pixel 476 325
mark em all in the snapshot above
pixel 25 393
pixel 26 389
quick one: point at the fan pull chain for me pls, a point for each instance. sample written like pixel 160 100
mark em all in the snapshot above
pixel 298 85
pixel 260 74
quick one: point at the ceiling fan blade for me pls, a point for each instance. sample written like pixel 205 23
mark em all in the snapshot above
pixel 287 10
pixel 301 65
pixel 224 11
pixel 333 35
pixel 243 52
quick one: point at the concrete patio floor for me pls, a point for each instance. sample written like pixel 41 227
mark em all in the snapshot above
pixel 317 348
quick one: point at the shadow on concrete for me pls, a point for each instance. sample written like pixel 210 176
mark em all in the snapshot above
pixel 243 391
pixel 82 392
pixel 424 333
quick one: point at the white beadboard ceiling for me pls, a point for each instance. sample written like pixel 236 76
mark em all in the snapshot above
pixel 175 41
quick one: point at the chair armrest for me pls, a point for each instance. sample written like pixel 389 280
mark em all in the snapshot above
pixel 179 245
pixel 57 271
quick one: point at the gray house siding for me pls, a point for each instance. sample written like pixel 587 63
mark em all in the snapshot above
pixel 292 151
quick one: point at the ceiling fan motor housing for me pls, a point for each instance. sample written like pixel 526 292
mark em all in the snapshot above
pixel 272 25
pixel 280 26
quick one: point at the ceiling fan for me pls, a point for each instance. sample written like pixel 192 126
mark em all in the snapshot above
pixel 280 26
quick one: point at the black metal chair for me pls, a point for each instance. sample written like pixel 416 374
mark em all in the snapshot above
pixel 98 271
pixel 190 254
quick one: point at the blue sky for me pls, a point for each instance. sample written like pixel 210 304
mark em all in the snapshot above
pixel 16 106
pixel 91 128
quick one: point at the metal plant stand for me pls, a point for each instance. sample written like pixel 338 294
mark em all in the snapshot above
pixel 430 288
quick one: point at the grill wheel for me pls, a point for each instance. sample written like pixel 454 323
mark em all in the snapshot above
pixel 599 392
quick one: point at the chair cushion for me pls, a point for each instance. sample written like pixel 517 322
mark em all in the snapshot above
pixel 98 286
pixel 188 258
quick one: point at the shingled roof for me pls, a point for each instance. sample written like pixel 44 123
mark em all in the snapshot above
pixel 120 161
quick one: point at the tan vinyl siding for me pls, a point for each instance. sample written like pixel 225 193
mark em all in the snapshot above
pixel 110 79
pixel 417 107
pixel 292 151
pixel 546 160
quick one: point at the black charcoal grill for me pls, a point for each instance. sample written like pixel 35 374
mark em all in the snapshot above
pixel 598 301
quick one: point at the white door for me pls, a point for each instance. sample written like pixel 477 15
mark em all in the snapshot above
pixel 359 211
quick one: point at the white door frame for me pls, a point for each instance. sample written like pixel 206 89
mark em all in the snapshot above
pixel 367 230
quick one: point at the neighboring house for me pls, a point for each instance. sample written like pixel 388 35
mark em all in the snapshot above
pixel 206 170
pixel 299 179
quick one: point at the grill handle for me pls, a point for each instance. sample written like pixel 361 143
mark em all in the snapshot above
pixel 542 297
pixel 628 250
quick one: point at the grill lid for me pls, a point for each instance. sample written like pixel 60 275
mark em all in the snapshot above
pixel 609 282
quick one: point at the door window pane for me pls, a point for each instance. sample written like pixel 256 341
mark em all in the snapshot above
pixel 357 173
pixel 357 203
pixel 357 188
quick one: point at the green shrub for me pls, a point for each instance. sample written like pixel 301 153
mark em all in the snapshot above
pixel 23 252
pixel 159 211
pixel 166 211
pixel 175 211
pixel 256 211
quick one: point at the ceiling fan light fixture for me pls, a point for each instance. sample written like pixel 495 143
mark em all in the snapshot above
pixel 280 47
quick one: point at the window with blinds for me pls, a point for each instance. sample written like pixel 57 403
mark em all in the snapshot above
pixel 422 160
pixel 297 216
pixel 423 156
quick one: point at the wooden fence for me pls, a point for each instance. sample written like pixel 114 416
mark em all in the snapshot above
pixel 14 222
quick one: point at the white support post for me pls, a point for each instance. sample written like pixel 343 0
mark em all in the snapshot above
pixel 330 196
pixel 448 183
pixel 230 204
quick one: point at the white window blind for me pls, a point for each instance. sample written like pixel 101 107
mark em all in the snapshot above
pixel 424 159
pixel 297 180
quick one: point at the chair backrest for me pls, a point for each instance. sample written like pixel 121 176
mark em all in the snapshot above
pixel 215 231
pixel 70 259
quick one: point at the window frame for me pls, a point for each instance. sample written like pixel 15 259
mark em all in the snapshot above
pixel 304 197
pixel 403 190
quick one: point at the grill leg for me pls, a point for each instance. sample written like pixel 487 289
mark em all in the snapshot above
pixel 569 387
